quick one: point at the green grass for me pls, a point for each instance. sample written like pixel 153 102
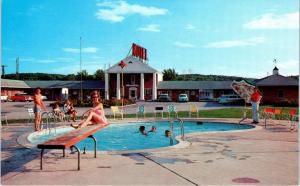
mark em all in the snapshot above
pixel 214 113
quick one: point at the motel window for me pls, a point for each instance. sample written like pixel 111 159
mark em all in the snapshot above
pixel 132 79
pixel 280 93
pixel 193 93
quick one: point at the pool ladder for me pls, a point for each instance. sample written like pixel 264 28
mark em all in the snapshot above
pixel 172 129
pixel 48 116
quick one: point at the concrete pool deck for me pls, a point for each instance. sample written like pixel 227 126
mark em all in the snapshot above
pixel 260 157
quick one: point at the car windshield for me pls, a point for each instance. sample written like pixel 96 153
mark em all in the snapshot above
pixel 163 95
pixel 182 95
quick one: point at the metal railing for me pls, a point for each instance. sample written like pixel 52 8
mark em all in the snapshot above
pixel 172 129
pixel 48 121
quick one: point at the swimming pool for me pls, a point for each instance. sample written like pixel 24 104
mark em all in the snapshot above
pixel 126 136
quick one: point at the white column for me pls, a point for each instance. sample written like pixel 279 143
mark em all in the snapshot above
pixel 142 91
pixel 118 86
pixel 106 86
pixel 154 88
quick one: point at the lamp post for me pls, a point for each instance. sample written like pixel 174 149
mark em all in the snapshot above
pixel 122 64
pixel 81 96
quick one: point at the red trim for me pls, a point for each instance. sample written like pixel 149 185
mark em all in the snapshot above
pixel 71 138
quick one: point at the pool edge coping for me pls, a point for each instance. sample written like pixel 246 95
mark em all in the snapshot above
pixel 23 139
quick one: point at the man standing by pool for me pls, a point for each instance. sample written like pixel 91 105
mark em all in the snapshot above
pixel 255 100
pixel 38 106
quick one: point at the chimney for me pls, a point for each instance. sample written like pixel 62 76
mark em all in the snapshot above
pixel 275 71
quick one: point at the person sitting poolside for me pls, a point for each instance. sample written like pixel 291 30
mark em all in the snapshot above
pixel 168 133
pixel 142 130
pixel 96 114
pixel 70 110
pixel 58 112
pixel 153 129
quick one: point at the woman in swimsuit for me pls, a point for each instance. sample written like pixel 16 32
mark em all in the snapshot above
pixel 95 115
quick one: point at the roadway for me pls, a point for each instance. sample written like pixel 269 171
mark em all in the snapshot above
pixel 18 110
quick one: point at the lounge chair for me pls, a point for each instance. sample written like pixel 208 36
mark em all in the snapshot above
pixel 140 111
pixel 172 110
pixel 4 118
pixel 193 109
pixel 278 113
pixel 267 113
pixel 292 117
pixel 31 115
pixel 116 111
pixel 160 110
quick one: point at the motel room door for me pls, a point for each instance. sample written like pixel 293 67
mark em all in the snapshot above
pixel 132 93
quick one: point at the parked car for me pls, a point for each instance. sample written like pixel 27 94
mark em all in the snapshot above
pixel 4 98
pixel 230 99
pixel 164 97
pixel 21 97
pixel 183 98
pixel 44 98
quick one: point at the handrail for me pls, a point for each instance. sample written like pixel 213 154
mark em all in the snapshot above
pixel 172 132
pixel 47 120
pixel 181 129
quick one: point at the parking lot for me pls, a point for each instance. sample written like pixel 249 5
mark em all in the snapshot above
pixel 18 110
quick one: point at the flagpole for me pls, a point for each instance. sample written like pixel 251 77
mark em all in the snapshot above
pixel 122 95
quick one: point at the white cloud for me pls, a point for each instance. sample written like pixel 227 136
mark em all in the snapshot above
pixel 46 61
pixel 190 27
pixel 184 45
pixel 64 59
pixel 150 28
pixel 26 59
pixel 271 21
pixel 117 11
pixel 236 43
pixel 84 50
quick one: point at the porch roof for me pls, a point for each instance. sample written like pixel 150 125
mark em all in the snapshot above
pixel 194 85
pixel 10 83
pixel 66 84
pixel 277 80
pixel 134 65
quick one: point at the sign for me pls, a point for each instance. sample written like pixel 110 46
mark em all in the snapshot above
pixel 122 64
pixel 139 51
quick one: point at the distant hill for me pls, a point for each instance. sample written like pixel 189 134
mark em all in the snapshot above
pixel 180 77
pixel 35 76
pixel 200 77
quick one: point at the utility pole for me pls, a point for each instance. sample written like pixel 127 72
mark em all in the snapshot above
pixel 81 94
pixel 17 68
pixel 3 70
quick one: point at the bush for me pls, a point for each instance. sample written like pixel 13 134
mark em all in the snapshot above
pixel 284 103
pixel 117 102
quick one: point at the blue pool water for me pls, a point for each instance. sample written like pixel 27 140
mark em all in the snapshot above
pixel 126 136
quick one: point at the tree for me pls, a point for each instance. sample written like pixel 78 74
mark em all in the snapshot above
pixel 70 77
pixel 99 75
pixel 169 75
pixel 84 74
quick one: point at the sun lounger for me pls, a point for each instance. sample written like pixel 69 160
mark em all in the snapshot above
pixel 159 109
pixel 70 140
pixel 116 111
pixel 193 109
pixel 140 111
pixel 293 118
pixel 172 110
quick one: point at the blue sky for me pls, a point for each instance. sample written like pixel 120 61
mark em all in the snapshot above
pixel 222 37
